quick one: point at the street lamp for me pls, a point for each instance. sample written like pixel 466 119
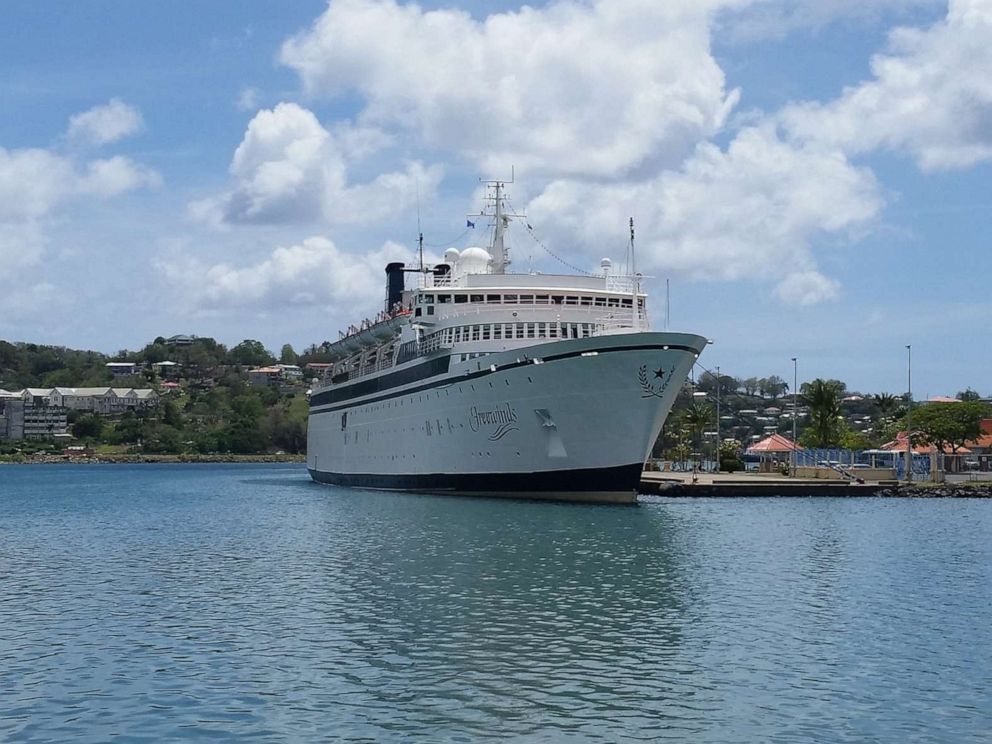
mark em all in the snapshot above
pixel 909 413
pixel 702 394
pixel 795 410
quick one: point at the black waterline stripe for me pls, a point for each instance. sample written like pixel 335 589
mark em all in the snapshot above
pixel 487 371
pixel 577 480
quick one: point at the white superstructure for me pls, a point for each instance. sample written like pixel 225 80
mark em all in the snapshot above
pixel 484 382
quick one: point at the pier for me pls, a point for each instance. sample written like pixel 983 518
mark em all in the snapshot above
pixel 711 485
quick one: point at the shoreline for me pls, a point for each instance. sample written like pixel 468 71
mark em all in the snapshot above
pixel 151 459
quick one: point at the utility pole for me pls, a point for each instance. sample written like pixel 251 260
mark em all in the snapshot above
pixel 909 414
pixel 717 458
pixel 795 411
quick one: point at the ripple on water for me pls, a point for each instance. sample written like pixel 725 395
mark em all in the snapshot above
pixel 244 603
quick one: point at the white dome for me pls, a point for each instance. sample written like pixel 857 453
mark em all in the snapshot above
pixel 474 261
pixel 451 256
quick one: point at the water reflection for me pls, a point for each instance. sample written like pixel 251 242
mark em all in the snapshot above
pixel 244 603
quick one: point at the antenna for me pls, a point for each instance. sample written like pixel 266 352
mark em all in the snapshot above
pixel 668 303
pixel 636 282
pixel 420 231
pixel 499 219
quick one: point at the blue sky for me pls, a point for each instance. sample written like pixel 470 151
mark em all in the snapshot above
pixel 812 177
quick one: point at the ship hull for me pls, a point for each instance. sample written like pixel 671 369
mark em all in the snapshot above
pixel 566 420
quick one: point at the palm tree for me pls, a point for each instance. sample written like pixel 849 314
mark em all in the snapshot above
pixel 886 403
pixel 697 417
pixel 822 398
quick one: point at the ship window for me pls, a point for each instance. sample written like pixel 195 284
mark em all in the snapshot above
pixel 430 310
pixel 613 302
pixel 571 300
pixel 509 299
pixel 586 301
pixel 461 299
pixel 526 299
pixel 530 330
pixel 486 332
pixel 476 298
pixel 492 298
pixel 542 330
pixel 344 420
pixel 557 299
pixel 475 333
pixel 444 298
pixel 640 303
pixel 417 312
pixel 498 331
pixel 600 302
pixel 625 302
pixel 542 299
pixel 553 330
pixel 429 299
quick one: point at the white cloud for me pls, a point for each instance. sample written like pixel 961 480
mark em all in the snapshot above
pixel 314 273
pixel 29 301
pixel 596 88
pixel 289 168
pixel 806 288
pixel 930 95
pixel 35 183
pixel 104 124
pixel 754 209
pixel 248 99
pixel 21 245
pixel 32 181
pixel 113 176
pixel 776 18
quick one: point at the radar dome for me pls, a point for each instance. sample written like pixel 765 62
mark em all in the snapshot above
pixel 474 261
pixel 451 256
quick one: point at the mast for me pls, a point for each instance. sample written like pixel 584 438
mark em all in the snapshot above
pixel 635 320
pixel 500 258
pixel 500 221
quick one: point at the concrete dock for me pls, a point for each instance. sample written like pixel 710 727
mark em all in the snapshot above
pixel 751 484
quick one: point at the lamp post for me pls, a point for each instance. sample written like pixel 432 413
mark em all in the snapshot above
pixel 909 413
pixel 795 410
pixel 718 419
pixel 702 394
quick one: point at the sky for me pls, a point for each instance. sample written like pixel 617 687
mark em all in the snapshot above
pixel 812 178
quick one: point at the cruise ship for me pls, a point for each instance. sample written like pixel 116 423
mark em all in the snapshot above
pixel 478 381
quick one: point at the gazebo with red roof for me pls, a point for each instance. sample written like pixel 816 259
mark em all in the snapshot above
pixel 775 444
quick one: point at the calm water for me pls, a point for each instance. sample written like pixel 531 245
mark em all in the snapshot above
pixel 155 603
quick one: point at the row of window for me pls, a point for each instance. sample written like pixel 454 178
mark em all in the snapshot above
pixel 528 299
pixel 509 331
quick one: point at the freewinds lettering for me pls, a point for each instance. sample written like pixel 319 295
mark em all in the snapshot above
pixel 498 416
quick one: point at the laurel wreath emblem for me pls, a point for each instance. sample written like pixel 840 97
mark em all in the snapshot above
pixel 649 391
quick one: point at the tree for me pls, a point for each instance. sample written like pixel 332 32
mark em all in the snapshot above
pixel 244 433
pixel 773 386
pixel 252 353
pixel 730 456
pixel 88 426
pixel 287 355
pixel 886 403
pixel 697 417
pixel 751 386
pixel 948 425
pixel 822 398
pixel 852 438
pixel 968 395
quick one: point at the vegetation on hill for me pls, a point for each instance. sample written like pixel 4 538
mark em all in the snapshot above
pixel 829 416
pixel 213 410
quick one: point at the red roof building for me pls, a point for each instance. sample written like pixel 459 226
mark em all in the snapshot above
pixel 774 443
